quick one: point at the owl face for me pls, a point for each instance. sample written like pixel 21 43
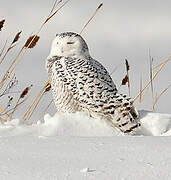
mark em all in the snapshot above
pixel 69 44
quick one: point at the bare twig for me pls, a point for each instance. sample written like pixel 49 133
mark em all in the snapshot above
pixel 15 107
pixel 154 76
pixel 12 83
pixel 91 17
pixel 158 97
pixel 10 101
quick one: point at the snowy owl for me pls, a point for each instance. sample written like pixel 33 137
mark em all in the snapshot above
pixel 80 83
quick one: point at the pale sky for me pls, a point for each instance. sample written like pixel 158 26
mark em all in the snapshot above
pixel 121 29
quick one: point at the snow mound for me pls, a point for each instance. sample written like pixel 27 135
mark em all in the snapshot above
pixel 79 124
pixel 155 124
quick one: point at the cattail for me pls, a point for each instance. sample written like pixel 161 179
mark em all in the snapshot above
pixel 1 24
pixel 125 80
pixel 127 71
pixel 16 38
pixel 25 92
pixel 127 65
pixel 31 41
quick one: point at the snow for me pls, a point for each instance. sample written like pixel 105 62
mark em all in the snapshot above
pixel 74 146
pixel 155 124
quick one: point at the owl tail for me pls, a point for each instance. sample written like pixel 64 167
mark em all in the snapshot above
pixel 126 121
pixel 125 116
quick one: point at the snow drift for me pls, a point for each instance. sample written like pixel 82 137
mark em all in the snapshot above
pixel 78 124
pixel 55 148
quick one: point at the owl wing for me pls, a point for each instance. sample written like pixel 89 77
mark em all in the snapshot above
pixel 94 85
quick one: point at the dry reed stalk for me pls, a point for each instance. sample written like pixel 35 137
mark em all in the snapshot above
pixel 24 48
pixel 3 120
pixel 15 108
pixel 159 65
pixel 154 76
pixel 12 83
pixel 3 48
pixel 140 100
pixel 30 110
pixel 47 106
pixel 45 110
pixel 3 112
pixel 151 75
pixel 10 69
pixel 97 9
pixel 12 45
pixel 19 102
pixel 158 97
pixel 35 102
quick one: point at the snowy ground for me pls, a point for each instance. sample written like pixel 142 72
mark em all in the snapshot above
pixel 73 147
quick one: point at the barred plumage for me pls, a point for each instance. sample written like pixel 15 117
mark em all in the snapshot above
pixel 80 83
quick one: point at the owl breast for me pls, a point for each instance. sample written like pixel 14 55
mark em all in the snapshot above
pixel 63 87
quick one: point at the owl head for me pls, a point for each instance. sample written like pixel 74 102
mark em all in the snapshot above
pixel 69 44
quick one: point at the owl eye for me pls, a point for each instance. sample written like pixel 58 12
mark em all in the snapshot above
pixel 70 42
pixel 57 43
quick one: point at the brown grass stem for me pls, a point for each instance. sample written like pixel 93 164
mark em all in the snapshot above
pixel 35 102
pixel 45 110
pixel 154 76
pixel 24 49
pixel 140 100
pixel 158 97
pixel 3 120
pixel 151 75
pixel 97 9
pixel 3 48
pixel 3 112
